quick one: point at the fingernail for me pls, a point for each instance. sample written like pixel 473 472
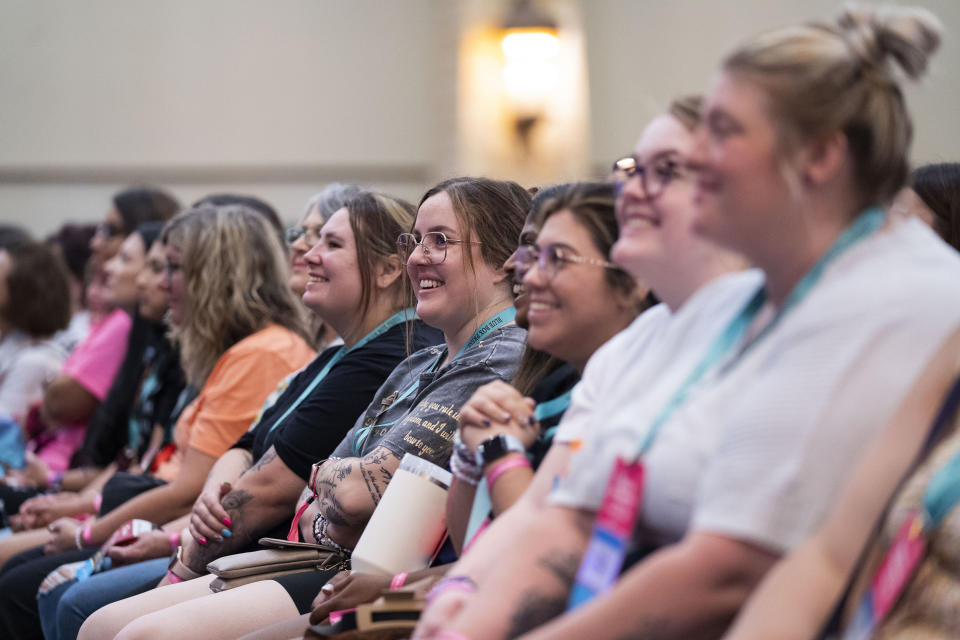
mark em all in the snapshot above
pixel 505 418
pixel 227 482
pixel 203 541
pixel 219 539
pixel 226 532
pixel 227 522
pixel 486 422
pixel 532 420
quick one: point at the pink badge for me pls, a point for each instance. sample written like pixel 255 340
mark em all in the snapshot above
pixel 623 498
pixel 908 548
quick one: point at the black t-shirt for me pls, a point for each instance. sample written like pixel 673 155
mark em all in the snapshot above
pixel 315 428
pixel 553 385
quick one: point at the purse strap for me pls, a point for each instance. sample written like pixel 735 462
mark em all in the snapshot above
pixel 945 416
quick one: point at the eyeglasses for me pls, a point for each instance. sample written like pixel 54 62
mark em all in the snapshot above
pixel 655 175
pixel 108 230
pixel 310 235
pixel 550 258
pixel 434 244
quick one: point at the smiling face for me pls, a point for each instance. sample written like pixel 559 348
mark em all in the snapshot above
pixel 151 294
pixel 122 270
pixel 576 310
pixel 528 235
pixel 654 233
pixel 741 184
pixel 334 284
pixel 448 296
pixel 310 224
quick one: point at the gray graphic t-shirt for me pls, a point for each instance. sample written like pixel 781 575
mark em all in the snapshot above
pixel 417 408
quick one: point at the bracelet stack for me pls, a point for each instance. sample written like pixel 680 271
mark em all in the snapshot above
pixel 463 463
pixel 320 535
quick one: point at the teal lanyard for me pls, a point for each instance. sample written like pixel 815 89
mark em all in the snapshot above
pixel 501 319
pixel 942 494
pixel 552 408
pixel 397 318
pixel 865 224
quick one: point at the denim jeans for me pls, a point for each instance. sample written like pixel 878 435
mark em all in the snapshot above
pixel 63 610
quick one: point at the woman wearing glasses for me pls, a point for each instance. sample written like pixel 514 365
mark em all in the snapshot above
pixel 463 233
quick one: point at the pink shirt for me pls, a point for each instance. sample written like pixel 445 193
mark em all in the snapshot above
pixel 93 364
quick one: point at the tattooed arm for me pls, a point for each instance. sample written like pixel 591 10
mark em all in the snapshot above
pixel 688 590
pixel 349 489
pixel 528 584
pixel 262 497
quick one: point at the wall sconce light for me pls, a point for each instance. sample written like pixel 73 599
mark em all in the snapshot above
pixel 530 46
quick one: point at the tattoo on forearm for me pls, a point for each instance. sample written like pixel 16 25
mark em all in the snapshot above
pixel 264 460
pixel 333 511
pixel 562 565
pixel 535 609
pixel 344 470
pixel 235 500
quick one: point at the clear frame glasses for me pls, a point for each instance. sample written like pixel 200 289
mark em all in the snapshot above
pixel 310 235
pixel 434 245
pixel 655 174
pixel 551 258
pixel 108 230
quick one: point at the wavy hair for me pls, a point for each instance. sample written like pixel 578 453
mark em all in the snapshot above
pixel 235 274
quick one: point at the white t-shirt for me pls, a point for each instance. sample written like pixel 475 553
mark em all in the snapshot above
pixel 26 366
pixel 785 423
pixel 622 389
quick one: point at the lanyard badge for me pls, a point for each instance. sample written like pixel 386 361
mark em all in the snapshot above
pixel 899 564
pixel 611 533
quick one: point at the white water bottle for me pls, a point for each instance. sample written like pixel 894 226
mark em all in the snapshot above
pixel 408 524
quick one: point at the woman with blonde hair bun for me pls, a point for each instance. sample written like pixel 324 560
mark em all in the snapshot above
pixel 805 140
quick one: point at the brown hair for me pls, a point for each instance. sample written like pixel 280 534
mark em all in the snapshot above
pixel 376 220
pixel 490 212
pixel 938 185
pixel 687 110
pixel 822 78
pixel 38 287
pixel 592 204
pixel 236 272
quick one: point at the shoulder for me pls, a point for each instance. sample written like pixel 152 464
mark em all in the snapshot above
pixel 273 341
pixel 504 345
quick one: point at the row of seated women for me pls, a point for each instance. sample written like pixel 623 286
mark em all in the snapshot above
pixel 754 314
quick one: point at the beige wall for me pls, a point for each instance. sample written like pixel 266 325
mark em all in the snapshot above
pixel 277 98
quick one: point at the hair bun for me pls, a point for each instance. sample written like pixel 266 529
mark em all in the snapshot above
pixel 909 35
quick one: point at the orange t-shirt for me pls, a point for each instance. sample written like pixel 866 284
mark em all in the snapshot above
pixel 234 391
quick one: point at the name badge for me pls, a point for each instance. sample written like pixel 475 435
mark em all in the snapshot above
pixel 611 533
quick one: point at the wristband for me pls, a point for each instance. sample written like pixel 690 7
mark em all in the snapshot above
pixel 76 538
pixel 174 541
pixel 172 578
pixel 87 535
pixel 398 581
pixel 54 479
pixel 501 467
pixel 464 584
pixel 97 502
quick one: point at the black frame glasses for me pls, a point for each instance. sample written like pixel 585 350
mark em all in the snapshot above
pixel 432 243
pixel 549 259
pixel 295 233
pixel 655 174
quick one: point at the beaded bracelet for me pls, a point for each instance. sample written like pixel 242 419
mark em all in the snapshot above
pixel 398 581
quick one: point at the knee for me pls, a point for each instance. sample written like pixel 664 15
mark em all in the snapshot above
pixel 105 622
pixel 140 629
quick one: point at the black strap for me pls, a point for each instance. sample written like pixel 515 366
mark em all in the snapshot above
pixel 948 410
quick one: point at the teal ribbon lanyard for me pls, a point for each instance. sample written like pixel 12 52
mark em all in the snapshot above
pixel 501 319
pixel 397 318
pixel 942 494
pixel 482 504
pixel 865 224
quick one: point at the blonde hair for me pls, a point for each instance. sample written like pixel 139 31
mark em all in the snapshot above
pixel 235 274
pixel 822 78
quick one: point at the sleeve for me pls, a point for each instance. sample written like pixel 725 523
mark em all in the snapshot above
pixel 577 422
pixel 813 407
pixel 23 384
pixel 232 397
pixel 313 431
pixel 97 359
pixel 246 441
